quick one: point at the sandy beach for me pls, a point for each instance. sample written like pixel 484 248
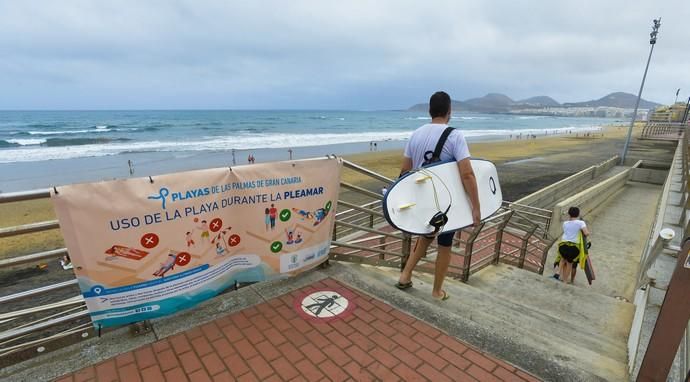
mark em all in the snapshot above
pixel 524 166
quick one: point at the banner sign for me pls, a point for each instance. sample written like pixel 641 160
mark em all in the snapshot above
pixel 148 247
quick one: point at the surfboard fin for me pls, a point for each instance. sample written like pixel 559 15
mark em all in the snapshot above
pixel 422 179
pixel 406 205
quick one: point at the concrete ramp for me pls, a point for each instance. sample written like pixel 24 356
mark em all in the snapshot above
pixel 619 227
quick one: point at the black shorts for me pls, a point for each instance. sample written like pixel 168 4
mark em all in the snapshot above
pixel 569 252
pixel 444 239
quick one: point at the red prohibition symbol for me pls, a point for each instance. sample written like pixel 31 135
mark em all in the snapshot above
pixel 149 240
pixel 215 225
pixel 183 258
pixel 234 240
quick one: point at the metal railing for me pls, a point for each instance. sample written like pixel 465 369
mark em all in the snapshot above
pixel 663 130
pixel 516 234
pixel 46 316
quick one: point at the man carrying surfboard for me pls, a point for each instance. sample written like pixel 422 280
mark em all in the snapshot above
pixel 420 150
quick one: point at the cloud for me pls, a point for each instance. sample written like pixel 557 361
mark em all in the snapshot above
pixel 322 54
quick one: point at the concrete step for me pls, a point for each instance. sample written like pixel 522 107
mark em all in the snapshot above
pixel 578 304
pixel 537 319
pixel 545 345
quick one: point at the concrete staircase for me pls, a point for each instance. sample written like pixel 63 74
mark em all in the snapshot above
pixel 557 332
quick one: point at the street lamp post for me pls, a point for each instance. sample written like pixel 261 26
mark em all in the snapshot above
pixel 652 42
pixel 676 100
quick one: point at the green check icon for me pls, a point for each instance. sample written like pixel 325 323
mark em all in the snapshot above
pixel 276 246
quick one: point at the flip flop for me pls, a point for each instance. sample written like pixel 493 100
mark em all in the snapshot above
pixel 403 286
pixel 445 297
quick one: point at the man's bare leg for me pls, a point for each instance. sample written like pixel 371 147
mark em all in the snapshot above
pixel 442 263
pixel 419 251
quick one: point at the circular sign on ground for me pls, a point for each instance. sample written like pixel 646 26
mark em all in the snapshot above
pixel 215 225
pixel 149 240
pixel 325 305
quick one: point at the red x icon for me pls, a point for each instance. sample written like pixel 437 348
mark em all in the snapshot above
pixel 216 225
pixel 149 240
pixel 183 258
pixel 234 240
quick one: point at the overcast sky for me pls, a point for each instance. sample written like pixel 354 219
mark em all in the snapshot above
pixel 332 54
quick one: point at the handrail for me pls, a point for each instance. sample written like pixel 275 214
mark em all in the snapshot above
pixel 367 249
pixel 29 228
pixel 18 260
pixel 67 302
pixel 356 207
pixel 526 206
pixel 37 291
pixel 370 230
pixel 20 196
pixel 361 190
pixel 13 333
pixel 375 202
pixel 368 172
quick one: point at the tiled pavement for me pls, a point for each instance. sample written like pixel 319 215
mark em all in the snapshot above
pixel 273 342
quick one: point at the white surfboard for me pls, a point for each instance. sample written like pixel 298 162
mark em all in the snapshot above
pixel 411 202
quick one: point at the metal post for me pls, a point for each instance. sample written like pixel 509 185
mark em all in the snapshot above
pixel 499 237
pixel 652 41
pixel 406 249
pixel 523 247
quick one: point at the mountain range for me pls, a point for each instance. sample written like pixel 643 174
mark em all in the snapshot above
pixel 501 103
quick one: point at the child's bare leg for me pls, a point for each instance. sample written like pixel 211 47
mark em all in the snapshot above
pixel 568 272
pixel 561 271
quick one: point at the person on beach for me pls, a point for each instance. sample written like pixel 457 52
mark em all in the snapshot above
pixel 272 213
pixel 166 266
pixel 190 240
pixel 204 230
pixel 423 141
pixel 572 245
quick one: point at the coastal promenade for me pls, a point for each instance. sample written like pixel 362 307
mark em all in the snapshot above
pixel 258 334
pixel 503 323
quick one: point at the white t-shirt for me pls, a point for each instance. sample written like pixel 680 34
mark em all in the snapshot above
pixel 571 229
pixel 425 139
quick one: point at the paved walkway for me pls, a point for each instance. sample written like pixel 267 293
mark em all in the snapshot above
pixel 278 341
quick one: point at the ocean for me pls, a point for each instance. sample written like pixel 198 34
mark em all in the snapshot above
pixel 39 149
